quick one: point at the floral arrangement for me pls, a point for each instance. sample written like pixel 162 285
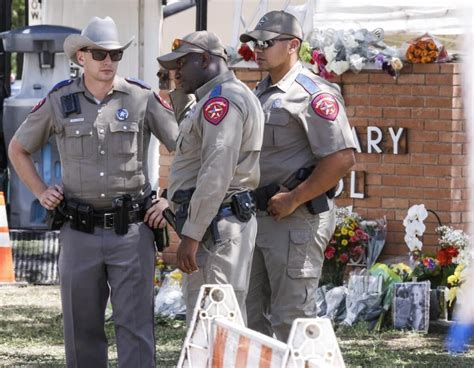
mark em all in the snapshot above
pixel 348 243
pixel 161 269
pixel 425 49
pixel 402 270
pixel 427 268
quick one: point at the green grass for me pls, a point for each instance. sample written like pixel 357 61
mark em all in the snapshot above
pixel 31 336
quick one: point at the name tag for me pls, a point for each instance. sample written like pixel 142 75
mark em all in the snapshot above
pixel 76 120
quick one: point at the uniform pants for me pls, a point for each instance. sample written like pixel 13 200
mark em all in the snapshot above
pixel 94 266
pixel 226 262
pixel 286 269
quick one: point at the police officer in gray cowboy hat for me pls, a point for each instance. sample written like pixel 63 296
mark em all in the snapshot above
pixel 214 169
pixel 307 147
pixel 102 125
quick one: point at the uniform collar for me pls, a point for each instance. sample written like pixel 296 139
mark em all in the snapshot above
pixel 120 85
pixel 207 87
pixel 285 83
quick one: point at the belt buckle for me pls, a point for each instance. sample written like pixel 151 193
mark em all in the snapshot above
pixel 108 220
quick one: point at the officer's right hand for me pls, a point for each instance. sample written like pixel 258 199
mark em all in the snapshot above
pixel 51 197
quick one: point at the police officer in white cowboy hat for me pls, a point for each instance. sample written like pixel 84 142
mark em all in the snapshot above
pixel 102 124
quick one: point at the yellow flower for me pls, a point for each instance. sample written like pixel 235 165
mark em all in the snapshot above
pixel 337 235
pixel 453 279
pixel 344 231
pixel 459 269
pixel 351 233
pixel 344 242
pixel 176 275
pixel 451 295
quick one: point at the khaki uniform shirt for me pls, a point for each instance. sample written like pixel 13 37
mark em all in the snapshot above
pixel 217 150
pixel 304 122
pixel 104 147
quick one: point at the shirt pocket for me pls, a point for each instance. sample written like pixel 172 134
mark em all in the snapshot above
pixel 187 141
pixel 124 137
pixel 275 128
pixel 79 140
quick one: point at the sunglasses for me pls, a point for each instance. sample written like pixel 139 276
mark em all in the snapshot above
pixel 268 43
pixel 99 55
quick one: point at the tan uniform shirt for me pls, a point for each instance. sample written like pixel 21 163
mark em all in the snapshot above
pixel 304 122
pixel 104 147
pixel 217 150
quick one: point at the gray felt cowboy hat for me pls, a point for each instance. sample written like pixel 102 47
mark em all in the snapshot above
pixel 99 34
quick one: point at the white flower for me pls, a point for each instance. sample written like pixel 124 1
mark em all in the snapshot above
pixel 418 211
pixel 415 228
pixel 413 243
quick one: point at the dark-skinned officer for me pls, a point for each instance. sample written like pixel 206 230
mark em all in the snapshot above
pixel 215 167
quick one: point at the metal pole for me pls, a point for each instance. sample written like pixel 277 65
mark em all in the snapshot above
pixel 201 15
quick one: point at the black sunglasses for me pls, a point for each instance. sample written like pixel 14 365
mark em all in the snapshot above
pixel 268 43
pixel 99 55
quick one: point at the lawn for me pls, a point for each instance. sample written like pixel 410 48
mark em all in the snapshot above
pixel 31 335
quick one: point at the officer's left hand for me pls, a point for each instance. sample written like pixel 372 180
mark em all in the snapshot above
pixel 153 216
pixel 186 255
pixel 281 205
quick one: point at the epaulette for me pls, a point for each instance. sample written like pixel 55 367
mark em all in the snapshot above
pixel 307 83
pixel 61 84
pixel 138 82
pixel 216 91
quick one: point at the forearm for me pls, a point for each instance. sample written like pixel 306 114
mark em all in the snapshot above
pixel 325 176
pixel 25 168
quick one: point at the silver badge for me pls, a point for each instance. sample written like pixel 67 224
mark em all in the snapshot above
pixel 277 103
pixel 121 114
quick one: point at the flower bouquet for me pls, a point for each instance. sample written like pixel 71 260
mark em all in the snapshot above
pixel 348 243
pixel 426 49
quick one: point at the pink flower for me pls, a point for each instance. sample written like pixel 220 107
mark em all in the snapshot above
pixel 343 258
pixel 329 252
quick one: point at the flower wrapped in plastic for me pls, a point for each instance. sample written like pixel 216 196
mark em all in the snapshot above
pixel 170 301
pixel 348 244
pixel 425 49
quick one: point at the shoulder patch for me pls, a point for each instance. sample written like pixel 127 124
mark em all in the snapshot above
pixel 307 83
pixel 163 102
pixel 215 110
pixel 38 105
pixel 61 84
pixel 325 105
pixel 138 82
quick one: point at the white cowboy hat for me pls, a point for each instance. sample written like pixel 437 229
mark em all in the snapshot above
pixel 99 33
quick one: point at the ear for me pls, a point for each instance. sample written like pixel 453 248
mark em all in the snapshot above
pixel 80 57
pixel 294 45
pixel 206 60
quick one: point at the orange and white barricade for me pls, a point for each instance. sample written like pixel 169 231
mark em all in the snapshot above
pixel 7 274
pixel 217 338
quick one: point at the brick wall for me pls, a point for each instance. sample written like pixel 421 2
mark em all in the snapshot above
pixel 426 100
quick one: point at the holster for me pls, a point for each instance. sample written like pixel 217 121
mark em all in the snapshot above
pixel 263 194
pixel 121 206
pixel 162 239
pixel 182 198
pixel 320 203
pixel 81 217
pixel 57 217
